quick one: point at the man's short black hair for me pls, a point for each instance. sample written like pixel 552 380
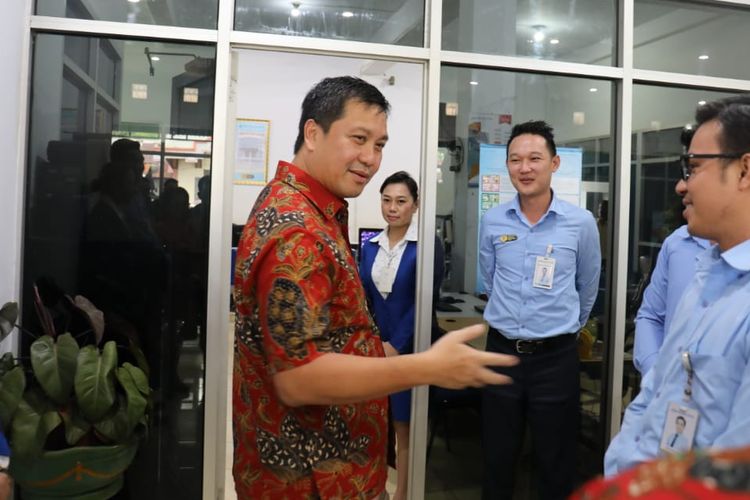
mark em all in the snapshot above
pixel 534 127
pixel 733 114
pixel 680 417
pixel 325 102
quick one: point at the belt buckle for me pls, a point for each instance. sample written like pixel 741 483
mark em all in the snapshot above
pixel 525 346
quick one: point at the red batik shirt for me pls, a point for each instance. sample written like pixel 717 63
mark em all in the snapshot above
pixel 298 296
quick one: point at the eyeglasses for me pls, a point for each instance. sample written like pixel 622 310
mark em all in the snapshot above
pixel 687 168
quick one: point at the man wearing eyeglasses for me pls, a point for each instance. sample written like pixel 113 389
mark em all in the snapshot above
pixel 703 368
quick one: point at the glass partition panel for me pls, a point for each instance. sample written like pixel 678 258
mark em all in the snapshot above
pixel 477 112
pixel 186 13
pixel 117 211
pixel 396 22
pixel 571 30
pixel 691 37
pixel 659 116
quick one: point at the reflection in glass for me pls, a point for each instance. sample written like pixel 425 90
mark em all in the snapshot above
pixel 187 13
pixel 117 211
pixel 691 37
pixel 397 22
pixel 473 115
pixel 571 30
pixel 659 116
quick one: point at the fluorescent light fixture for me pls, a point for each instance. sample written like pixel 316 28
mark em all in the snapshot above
pixel 347 13
pixel 703 57
pixel 473 82
pixel 701 103
pixel 554 41
pixel 155 58
pixel 593 89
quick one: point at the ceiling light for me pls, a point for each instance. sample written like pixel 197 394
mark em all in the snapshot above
pixel 134 1
pixel 593 89
pixel 703 57
pixel 701 103
pixel 155 58
pixel 554 41
pixel 347 13
pixel 473 82
pixel 539 34
pixel 688 126
pixel 295 9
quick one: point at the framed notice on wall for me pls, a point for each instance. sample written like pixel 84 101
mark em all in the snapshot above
pixel 251 151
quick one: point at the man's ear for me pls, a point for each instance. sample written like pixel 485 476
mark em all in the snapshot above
pixel 555 163
pixel 745 172
pixel 312 133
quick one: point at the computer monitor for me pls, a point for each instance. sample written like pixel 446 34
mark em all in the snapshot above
pixel 365 234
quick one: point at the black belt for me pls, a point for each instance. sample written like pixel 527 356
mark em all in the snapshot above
pixel 521 346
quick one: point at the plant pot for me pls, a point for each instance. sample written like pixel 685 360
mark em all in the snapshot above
pixel 83 473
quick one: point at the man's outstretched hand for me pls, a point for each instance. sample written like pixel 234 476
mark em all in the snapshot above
pixel 454 364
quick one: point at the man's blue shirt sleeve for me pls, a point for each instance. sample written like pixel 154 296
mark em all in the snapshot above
pixel 589 264
pixel 649 322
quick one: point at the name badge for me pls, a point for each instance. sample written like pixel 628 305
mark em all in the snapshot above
pixel 544 272
pixel 679 429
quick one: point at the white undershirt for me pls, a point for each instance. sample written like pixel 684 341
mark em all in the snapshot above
pixel 388 259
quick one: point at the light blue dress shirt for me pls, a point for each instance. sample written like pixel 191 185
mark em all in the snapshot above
pixel 712 323
pixel 508 248
pixel 674 270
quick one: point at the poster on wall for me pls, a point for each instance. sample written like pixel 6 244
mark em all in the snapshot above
pixel 251 151
pixel 495 186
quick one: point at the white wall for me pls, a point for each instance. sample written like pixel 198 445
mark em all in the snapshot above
pixel 12 36
pixel 272 85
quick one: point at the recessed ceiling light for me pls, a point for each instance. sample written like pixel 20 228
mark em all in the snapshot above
pixel 155 58
pixel 554 41
pixel 347 13
pixel 473 82
pixel 134 1
pixel 701 103
pixel 593 89
pixel 539 34
pixel 688 126
pixel 703 57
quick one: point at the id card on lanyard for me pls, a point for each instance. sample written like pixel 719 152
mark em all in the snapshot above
pixel 681 423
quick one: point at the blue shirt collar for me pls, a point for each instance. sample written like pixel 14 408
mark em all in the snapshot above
pixel 738 256
pixel 554 206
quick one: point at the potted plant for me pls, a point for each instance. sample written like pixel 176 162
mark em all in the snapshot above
pixel 73 414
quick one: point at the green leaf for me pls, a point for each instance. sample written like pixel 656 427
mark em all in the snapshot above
pixel 131 379
pixel 75 426
pixel 115 426
pixel 32 424
pixel 12 385
pixel 94 380
pixel 140 358
pixel 54 365
pixel 7 362
pixel 8 317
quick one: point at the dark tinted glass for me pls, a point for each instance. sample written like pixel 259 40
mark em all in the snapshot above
pixel 126 231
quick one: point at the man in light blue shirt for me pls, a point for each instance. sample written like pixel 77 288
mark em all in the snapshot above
pixel 540 261
pixel 704 365
pixel 674 270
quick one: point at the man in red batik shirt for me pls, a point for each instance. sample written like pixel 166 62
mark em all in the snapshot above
pixel 310 376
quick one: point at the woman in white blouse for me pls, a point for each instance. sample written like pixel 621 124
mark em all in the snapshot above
pixel 389 269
